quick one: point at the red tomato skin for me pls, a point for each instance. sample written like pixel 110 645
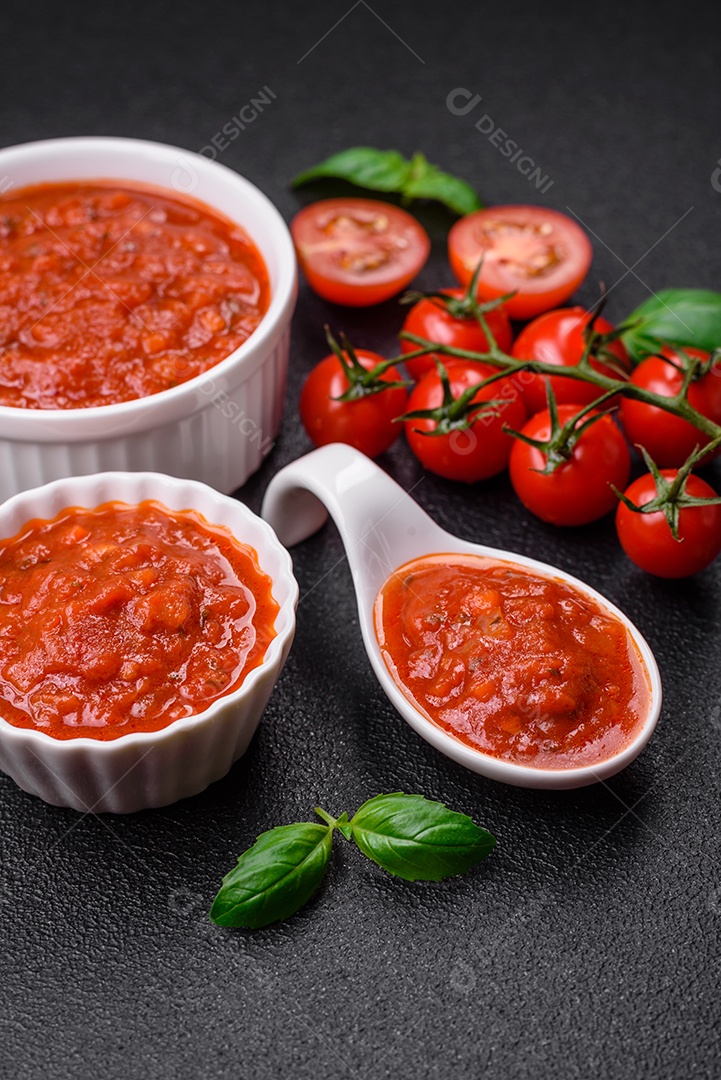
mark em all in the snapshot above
pixel 325 251
pixel 578 491
pixel 557 338
pixel 647 538
pixel 537 291
pixel 670 439
pixel 474 454
pixel 429 319
pixel 365 423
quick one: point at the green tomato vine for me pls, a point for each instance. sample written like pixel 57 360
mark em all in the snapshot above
pixel 671 496
pixel 609 386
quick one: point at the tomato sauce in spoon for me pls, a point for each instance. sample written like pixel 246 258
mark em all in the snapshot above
pixel 520 666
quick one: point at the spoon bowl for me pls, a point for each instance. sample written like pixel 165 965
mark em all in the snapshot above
pixel 382 528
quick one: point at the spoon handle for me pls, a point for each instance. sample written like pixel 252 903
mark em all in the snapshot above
pixel 369 508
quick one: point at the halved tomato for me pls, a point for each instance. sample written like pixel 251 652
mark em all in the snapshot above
pixel 358 252
pixel 540 254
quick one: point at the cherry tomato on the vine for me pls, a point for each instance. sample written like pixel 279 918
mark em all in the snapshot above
pixel 431 319
pixel 358 252
pixel 669 439
pixel 540 254
pixel 578 491
pixel 557 338
pixel 462 452
pixel 647 538
pixel 365 421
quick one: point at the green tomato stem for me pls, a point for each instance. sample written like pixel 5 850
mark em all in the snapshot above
pixel 678 405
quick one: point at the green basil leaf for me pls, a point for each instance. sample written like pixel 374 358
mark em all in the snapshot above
pixel 389 171
pixel 417 839
pixel 275 877
pixel 378 170
pixel 428 182
pixel 675 317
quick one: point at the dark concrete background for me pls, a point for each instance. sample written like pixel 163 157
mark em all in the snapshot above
pixel 588 944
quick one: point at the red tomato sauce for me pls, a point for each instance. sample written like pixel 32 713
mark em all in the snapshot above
pixel 113 291
pixel 519 666
pixel 125 618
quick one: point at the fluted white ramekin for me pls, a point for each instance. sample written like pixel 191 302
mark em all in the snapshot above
pixel 145 769
pixel 215 428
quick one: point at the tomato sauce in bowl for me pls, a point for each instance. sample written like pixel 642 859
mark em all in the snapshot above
pixel 124 618
pixel 522 667
pixel 112 291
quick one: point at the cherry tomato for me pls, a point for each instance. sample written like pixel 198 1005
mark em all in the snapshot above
pixel 365 422
pixel 577 491
pixel 647 538
pixel 541 254
pixel 467 454
pixel 557 338
pixel 430 319
pixel 669 439
pixel 358 252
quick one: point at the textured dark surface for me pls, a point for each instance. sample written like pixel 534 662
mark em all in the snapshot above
pixel 588 944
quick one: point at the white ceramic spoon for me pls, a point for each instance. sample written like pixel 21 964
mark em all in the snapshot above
pixel 382 527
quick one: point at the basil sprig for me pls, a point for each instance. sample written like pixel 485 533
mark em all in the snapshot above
pixel 676 317
pixel 408 835
pixel 387 170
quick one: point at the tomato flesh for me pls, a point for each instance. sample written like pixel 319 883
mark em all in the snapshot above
pixel 541 255
pixel 358 252
pixel 430 319
pixel 557 337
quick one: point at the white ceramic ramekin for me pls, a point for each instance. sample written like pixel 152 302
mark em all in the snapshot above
pixel 215 428
pixel 145 769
